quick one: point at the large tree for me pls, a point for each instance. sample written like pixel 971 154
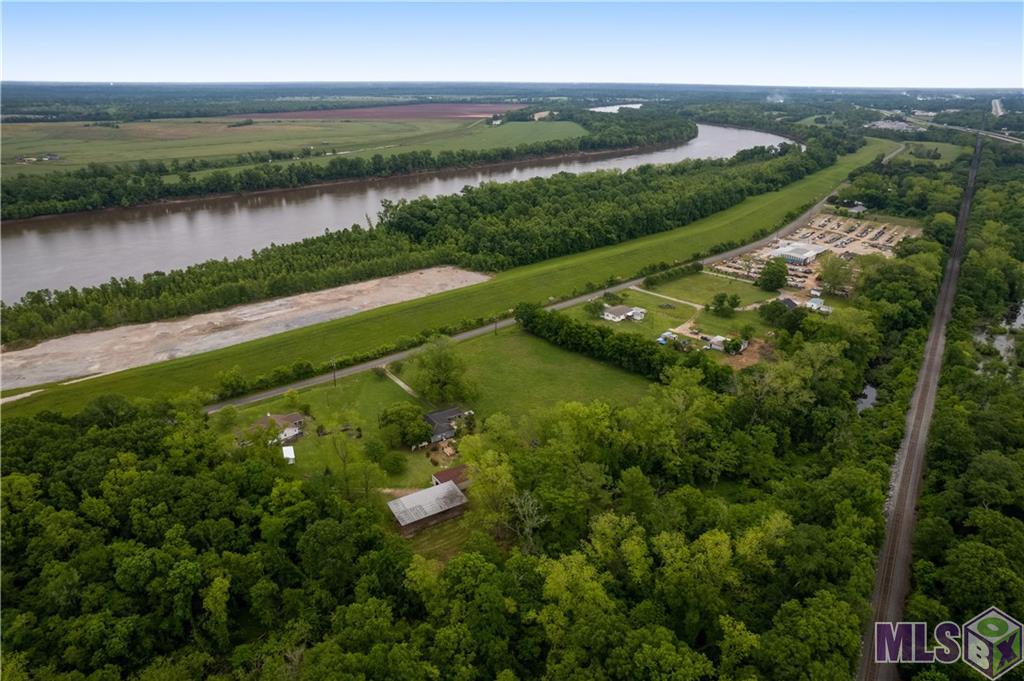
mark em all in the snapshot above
pixel 773 276
pixel 441 373
pixel 403 424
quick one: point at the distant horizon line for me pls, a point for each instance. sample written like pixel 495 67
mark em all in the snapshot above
pixel 1016 89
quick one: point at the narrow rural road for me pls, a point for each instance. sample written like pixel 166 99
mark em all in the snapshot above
pixel 892 576
pixel 789 228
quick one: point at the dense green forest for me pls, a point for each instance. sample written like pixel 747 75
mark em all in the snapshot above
pixel 487 228
pixel 927 192
pixel 723 529
pixel 969 545
pixel 104 185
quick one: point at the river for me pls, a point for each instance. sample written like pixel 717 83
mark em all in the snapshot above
pixel 84 249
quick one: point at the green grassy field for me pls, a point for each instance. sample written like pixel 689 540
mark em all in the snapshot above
pixel 657 320
pixel 809 120
pixel 517 374
pixel 443 541
pixel 713 325
pixel 357 401
pixel 537 383
pixel 949 152
pixel 183 139
pixel 473 137
pixel 558 277
pixel 701 288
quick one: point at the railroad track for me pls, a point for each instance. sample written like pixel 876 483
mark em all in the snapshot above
pixel 892 576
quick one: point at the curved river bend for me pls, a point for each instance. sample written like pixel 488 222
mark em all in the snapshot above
pixel 89 248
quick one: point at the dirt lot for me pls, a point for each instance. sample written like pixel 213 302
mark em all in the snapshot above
pixel 844 237
pixel 377 113
pixel 112 350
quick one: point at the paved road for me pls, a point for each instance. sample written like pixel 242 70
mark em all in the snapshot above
pixel 892 577
pixel 997 107
pixel 987 133
pixel 493 328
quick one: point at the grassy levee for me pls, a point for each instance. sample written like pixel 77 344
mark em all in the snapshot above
pixel 556 278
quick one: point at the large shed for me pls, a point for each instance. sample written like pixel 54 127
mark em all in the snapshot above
pixel 798 252
pixel 429 506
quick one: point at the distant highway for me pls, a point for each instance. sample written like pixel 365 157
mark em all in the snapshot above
pixel 892 575
pixel 997 107
pixel 986 133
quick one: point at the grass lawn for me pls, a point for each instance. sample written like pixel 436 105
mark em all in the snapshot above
pixel 713 325
pixel 809 120
pixel 357 400
pixel 514 372
pixel 701 288
pixel 517 374
pixel 79 144
pixel 657 319
pixel 949 152
pixel 558 278
pixel 442 541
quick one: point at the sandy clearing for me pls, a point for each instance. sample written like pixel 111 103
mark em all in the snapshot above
pixel 102 352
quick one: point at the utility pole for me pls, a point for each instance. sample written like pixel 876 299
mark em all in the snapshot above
pixel 334 371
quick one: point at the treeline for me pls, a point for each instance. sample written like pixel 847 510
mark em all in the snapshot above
pixel 930 192
pixel 104 186
pixel 712 530
pixel 33 102
pixel 780 119
pixel 487 228
pixel 630 351
pixel 672 273
pixel 969 540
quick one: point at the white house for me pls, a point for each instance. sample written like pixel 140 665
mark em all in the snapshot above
pixel 617 313
pixel 818 305
pixel 289 426
pixel 718 343
pixel 289 454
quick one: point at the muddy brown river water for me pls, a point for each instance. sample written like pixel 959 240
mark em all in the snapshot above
pixel 89 248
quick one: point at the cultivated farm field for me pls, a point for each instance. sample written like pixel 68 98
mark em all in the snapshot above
pixel 399 111
pixel 78 144
pixel 557 278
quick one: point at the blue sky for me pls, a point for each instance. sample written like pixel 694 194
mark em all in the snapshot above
pixel 839 44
